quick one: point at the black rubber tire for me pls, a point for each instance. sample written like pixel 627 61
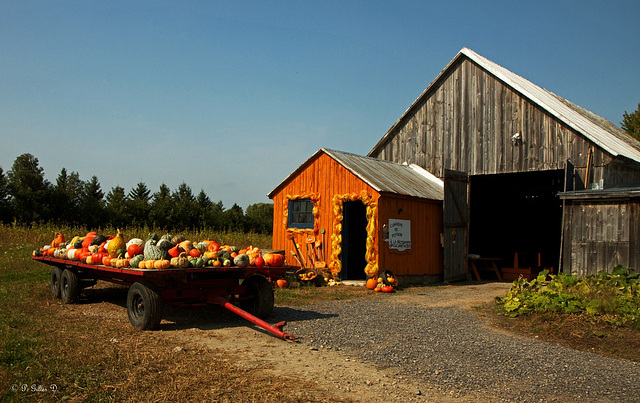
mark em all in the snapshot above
pixel 144 306
pixel 259 298
pixel 69 286
pixel 56 280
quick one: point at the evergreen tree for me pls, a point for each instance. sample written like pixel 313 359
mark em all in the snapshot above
pixel 161 208
pixel 67 194
pixel 30 192
pixel 5 199
pixel 631 123
pixel 116 208
pixel 259 218
pixel 138 204
pixel 234 219
pixel 92 205
pixel 184 213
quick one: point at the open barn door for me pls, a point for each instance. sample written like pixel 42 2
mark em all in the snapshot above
pixel 456 225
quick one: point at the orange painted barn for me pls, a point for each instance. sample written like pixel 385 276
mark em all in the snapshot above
pixel 359 216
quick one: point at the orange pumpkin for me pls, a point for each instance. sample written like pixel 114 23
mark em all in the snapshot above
pixel 372 283
pixel 282 283
pixel 273 259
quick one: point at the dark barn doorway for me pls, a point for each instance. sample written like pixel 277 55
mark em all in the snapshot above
pixel 354 240
pixel 517 213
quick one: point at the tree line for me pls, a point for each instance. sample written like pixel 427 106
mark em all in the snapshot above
pixel 26 197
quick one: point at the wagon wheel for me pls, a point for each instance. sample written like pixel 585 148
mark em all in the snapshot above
pixel 144 306
pixel 260 297
pixel 56 279
pixel 69 286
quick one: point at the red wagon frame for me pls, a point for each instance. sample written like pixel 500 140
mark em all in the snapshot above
pixel 245 291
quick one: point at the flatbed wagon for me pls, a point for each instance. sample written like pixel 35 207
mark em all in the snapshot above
pixel 246 291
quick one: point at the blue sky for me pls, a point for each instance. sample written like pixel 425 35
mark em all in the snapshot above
pixel 231 97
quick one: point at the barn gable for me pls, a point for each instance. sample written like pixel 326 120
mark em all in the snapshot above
pixel 480 118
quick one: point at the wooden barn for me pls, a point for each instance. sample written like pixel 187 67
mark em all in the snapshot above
pixel 505 149
pixel 365 216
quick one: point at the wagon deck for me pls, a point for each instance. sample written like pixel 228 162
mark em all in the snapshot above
pixel 246 291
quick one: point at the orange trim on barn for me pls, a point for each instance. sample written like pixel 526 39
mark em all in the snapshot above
pixel 328 183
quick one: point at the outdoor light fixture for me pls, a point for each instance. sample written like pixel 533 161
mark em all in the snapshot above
pixel 516 139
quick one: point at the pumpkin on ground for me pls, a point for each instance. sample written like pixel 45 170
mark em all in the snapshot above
pixel 372 283
pixel 282 283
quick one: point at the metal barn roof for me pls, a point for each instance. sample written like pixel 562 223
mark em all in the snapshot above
pixel 595 128
pixel 383 176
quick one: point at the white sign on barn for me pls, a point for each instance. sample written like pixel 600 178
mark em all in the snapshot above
pixel 399 234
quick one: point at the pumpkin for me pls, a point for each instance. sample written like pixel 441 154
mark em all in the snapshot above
pixel 213 246
pixel 259 261
pixel 209 255
pixel 116 244
pixel 273 259
pixel 106 261
pixel 282 283
pixel 134 250
pixel 86 241
pixel 196 262
pixel 175 251
pixel 372 283
pixel 195 252
pixel 180 261
pixel 136 241
pixel 71 253
pixel 57 240
pixel 142 264
pixel 387 288
pixel 164 243
pixel 122 262
pixel 176 240
pixel 161 264
pixel 135 261
pixel 253 253
pixel 242 260
pixel 377 289
pixel 149 264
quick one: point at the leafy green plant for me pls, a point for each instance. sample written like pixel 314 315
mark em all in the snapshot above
pixel 612 297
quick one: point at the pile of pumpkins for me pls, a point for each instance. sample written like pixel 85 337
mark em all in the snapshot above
pixel 385 282
pixel 156 252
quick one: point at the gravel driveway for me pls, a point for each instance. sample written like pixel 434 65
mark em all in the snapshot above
pixel 428 335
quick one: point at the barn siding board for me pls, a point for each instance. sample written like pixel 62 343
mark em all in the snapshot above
pixel 466 122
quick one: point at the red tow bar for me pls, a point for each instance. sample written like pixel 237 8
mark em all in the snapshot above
pixel 275 329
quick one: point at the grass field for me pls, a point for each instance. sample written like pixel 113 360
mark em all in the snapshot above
pixel 49 354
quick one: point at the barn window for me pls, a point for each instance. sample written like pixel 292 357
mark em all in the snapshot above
pixel 300 214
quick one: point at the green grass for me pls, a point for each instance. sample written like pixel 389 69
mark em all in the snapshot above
pixel 43 343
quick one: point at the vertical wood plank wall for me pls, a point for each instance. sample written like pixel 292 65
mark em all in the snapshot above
pixel 600 236
pixel 326 178
pixel 466 124
pixel 426 254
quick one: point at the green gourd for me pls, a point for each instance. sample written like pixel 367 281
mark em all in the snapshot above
pixel 135 261
pixel 151 251
pixel 241 260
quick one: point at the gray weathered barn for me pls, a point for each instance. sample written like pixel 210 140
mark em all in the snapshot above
pixel 506 148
